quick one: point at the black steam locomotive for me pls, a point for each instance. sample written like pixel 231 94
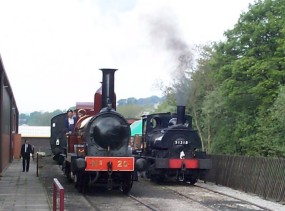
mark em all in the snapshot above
pixel 170 148
pixel 98 152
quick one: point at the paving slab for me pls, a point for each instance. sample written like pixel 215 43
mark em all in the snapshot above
pixel 22 191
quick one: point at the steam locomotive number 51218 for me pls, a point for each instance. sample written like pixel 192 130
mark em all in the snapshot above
pixel 181 142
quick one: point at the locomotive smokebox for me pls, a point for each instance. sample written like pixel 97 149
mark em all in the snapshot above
pixel 180 114
pixel 108 93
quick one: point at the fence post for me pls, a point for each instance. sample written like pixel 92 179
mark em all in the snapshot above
pixel 57 186
pixel 54 196
pixel 37 164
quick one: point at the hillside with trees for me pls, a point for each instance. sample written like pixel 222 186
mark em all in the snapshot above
pixel 38 118
pixel 129 108
pixel 134 108
pixel 153 100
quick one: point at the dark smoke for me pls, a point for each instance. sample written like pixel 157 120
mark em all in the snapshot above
pixel 164 32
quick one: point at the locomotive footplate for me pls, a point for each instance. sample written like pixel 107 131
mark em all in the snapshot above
pixel 103 163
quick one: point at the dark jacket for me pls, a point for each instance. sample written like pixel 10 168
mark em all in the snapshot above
pixel 68 127
pixel 28 152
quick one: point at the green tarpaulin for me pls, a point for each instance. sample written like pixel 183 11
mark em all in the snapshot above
pixel 136 128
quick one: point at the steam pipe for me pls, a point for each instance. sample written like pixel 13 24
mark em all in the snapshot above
pixel 180 115
pixel 108 93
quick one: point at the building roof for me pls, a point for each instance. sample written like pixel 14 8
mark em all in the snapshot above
pixel 34 131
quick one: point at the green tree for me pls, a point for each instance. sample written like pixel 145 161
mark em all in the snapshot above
pixel 38 118
pixel 169 103
pixel 272 133
pixel 249 67
pixel 23 118
pixel 200 85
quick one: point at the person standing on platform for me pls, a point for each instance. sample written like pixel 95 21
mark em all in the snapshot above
pixel 26 150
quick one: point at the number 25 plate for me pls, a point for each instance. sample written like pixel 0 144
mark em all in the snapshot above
pixel 101 163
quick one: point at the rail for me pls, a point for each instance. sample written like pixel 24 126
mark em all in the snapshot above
pixel 58 187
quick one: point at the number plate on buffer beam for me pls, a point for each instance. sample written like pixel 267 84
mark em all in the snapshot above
pixel 101 163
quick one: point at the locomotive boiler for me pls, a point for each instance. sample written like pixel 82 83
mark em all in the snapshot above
pixel 171 148
pixel 98 153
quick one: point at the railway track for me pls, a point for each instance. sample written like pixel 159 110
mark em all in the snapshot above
pixel 146 196
pixel 231 196
pixel 116 201
pixel 151 197
pixel 192 199
pixel 141 202
pixel 90 203
pixel 159 197
pixel 213 200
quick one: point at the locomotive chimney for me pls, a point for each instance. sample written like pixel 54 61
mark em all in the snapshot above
pixel 108 93
pixel 180 115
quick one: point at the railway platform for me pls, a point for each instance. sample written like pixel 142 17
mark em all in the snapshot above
pixel 22 191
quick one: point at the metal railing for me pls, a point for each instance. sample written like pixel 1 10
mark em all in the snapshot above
pixel 58 187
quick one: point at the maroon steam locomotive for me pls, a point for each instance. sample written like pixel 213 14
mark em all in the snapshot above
pixel 98 152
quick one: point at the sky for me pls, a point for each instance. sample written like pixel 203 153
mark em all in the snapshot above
pixel 52 50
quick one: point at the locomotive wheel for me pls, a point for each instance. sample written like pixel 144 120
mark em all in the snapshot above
pixel 127 183
pixel 193 181
pixel 158 179
pixel 80 182
pixel 68 173
pixel 75 179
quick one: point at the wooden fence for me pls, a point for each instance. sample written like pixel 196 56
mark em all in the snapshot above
pixel 264 177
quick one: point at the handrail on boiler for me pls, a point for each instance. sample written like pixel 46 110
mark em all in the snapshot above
pixel 57 186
